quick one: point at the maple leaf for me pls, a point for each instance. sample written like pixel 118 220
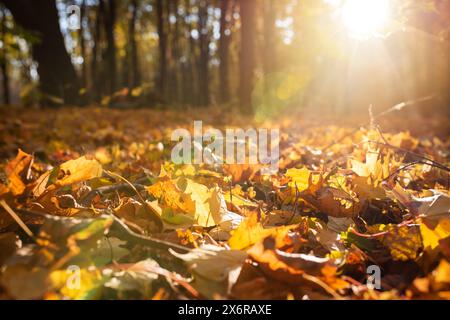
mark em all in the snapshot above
pixel 304 180
pixel 296 268
pixel 404 242
pixel 299 178
pixel 183 196
pixel 136 213
pixel 14 172
pixel 376 167
pixel 433 233
pixel 208 207
pixel 167 191
pixel 250 231
pixel 81 169
pixel 364 189
pixel 335 203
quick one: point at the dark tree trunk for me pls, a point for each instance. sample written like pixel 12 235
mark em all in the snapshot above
pixel 162 76
pixel 169 57
pixel 247 54
pixel 56 73
pixel 96 73
pixel 4 61
pixel 135 71
pixel 204 97
pixel 175 84
pixel 84 75
pixel 189 83
pixel 224 45
pixel 110 23
pixel 269 55
pixel 125 67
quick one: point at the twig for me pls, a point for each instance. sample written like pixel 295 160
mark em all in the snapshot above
pixel 323 285
pixel 122 231
pixel 406 166
pixel 16 218
pixel 417 155
pixel 108 189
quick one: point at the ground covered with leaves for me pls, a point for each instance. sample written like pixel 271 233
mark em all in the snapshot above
pixel 91 207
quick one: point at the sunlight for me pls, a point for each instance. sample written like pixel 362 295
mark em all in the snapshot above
pixel 365 17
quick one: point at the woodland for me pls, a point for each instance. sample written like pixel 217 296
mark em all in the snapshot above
pixel 94 206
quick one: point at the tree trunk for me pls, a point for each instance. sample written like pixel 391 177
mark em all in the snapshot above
pixel 175 54
pixel 135 71
pixel 4 61
pixel 269 55
pixel 162 49
pixel 96 91
pixel 84 75
pixel 204 97
pixel 247 54
pixel 169 57
pixel 189 83
pixel 224 44
pixel 56 73
pixel 110 23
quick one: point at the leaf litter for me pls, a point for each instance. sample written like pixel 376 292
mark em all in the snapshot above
pixel 96 210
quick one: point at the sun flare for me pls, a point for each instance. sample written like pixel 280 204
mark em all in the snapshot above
pixel 363 18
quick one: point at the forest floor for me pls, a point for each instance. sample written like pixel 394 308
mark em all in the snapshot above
pixel 91 207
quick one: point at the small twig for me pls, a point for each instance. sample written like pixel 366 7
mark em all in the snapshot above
pixel 323 285
pixel 120 230
pixel 108 189
pixel 16 218
pixel 379 234
pixel 406 166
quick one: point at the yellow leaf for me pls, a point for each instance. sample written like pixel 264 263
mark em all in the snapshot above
pixel 360 168
pixel 238 200
pixel 14 169
pixel 77 284
pixel 250 231
pixel 364 189
pixel 403 242
pixel 442 272
pixel 431 237
pixel 374 167
pixel 3 189
pixel 299 178
pixel 170 195
pixel 78 170
pixel 208 206
pixel 103 156
pixel 184 196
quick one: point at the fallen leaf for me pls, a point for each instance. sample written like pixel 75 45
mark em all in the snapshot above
pixel 81 169
pixel 15 170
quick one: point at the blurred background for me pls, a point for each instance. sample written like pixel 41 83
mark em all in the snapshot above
pixel 261 57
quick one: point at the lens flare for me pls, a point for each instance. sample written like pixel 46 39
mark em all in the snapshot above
pixel 365 17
